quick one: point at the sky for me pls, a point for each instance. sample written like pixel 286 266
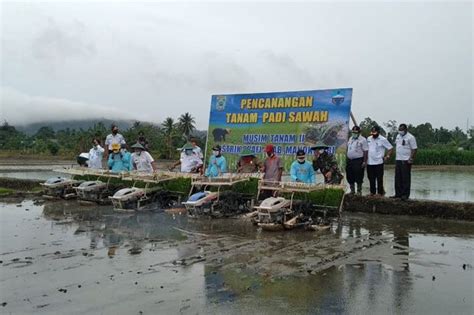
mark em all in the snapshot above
pixel 407 61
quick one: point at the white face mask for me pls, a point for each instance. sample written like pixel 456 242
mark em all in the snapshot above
pixel 215 153
pixel 138 153
pixel 402 133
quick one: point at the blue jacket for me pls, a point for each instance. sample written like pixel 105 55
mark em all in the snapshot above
pixel 120 162
pixel 302 172
pixel 216 165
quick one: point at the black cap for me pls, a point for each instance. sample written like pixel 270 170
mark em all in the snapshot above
pixel 356 128
pixel 375 128
pixel 300 152
pixel 216 147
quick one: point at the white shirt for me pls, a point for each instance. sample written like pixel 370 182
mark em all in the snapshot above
pixel 142 162
pixel 403 152
pixel 188 162
pixel 377 147
pixel 111 139
pixel 356 147
pixel 198 152
pixel 95 157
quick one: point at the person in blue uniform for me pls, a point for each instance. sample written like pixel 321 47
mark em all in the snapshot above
pixel 302 170
pixel 217 163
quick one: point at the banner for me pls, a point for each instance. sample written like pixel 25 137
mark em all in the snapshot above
pixel 288 120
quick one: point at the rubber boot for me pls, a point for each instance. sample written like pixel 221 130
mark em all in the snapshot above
pixel 352 189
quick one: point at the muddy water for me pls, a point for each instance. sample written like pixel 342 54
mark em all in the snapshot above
pixel 61 257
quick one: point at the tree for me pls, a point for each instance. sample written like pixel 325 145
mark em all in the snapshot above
pixel 367 124
pixel 45 133
pixel 169 131
pixel 186 124
pixel 392 127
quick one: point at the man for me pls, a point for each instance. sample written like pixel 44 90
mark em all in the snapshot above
pixel 196 148
pixel 189 160
pixel 272 167
pixel 95 155
pixel 248 162
pixel 142 161
pixel 217 163
pixel 302 170
pixel 378 146
pixel 405 154
pixel 143 141
pixel 112 138
pixel 357 151
pixel 119 160
pixel 326 164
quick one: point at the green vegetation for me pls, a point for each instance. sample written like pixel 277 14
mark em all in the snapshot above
pixel 5 191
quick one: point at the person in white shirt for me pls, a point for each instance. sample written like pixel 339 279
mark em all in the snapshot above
pixel 112 138
pixel 95 155
pixel 142 161
pixel 189 160
pixel 405 153
pixel 378 146
pixel 357 151
pixel 196 148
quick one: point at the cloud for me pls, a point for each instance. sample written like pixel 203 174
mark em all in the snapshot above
pixel 22 109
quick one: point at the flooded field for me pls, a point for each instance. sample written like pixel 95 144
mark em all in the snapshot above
pixel 61 257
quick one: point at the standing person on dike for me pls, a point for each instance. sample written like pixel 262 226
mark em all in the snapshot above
pixel 114 137
pixel 357 151
pixel 378 145
pixel 302 170
pixel 217 163
pixel 95 155
pixel 405 153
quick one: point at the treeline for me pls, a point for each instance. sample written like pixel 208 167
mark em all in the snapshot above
pixel 163 139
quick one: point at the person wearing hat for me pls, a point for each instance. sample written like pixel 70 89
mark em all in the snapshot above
pixel 272 166
pixel 248 162
pixel 114 137
pixel 189 160
pixel 119 160
pixel 142 161
pixel 357 150
pixel 378 146
pixel 95 155
pixel 302 170
pixel 217 163
pixel 326 163
pixel 83 159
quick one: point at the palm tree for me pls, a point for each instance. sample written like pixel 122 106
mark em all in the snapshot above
pixel 169 130
pixel 186 124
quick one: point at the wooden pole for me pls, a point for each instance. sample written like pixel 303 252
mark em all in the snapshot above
pixel 353 119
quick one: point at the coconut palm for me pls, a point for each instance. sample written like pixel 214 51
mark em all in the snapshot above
pixel 169 130
pixel 186 124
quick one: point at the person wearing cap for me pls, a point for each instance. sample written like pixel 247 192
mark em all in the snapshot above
pixel 217 163
pixel 357 150
pixel 380 151
pixel 248 162
pixel 95 155
pixel 302 170
pixel 119 160
pixel 114 137
pixel 272 166
pixel 142 161
pixel 405 153
pixel 326 163
pixel 143 141
pixel 189 160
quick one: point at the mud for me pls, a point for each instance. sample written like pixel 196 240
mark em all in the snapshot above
pixel 63 257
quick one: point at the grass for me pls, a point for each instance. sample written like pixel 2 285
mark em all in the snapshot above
pixel 6 191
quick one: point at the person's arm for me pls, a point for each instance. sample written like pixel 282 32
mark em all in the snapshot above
pixel 110 161
pixel 154 166
pixel 175 164
pixel 365 149
pixel 389 148
pixel 293 170
pixel 223 166
pixel 414 149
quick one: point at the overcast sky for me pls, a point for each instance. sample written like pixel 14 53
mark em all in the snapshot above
pixel 409 61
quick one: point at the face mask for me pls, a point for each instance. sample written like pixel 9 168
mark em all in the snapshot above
pixel 402 132
pixel 115 131
pixel 215 153
pixel 355 135
pixel 138 153
pixel 375 134
pixel 188 152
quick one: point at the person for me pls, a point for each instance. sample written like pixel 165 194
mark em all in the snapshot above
pixel 196 148
pixel 189 160
pixel 119 160
pixel 143 141
pixel 248 162
pixel 114 137
pixel 272 166
pixel 357 150
pixel 142 161
pixel 406 147
pixel 380 151
pixel 302 170
pixel 95 155
pixel 326 163
pixel 217 163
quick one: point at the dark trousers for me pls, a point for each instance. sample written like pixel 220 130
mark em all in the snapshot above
pixel 402 179
pixel 355 171
pixel 375 175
